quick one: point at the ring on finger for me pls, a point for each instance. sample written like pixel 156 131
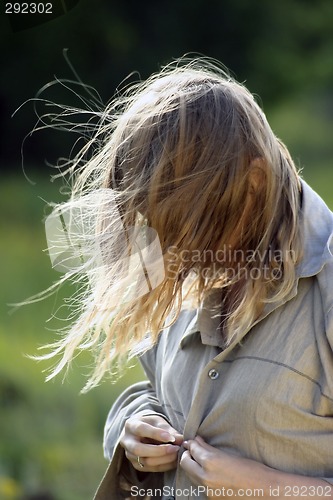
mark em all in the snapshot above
pixel 139 462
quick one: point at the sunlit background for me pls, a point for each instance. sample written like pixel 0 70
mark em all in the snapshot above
pixel 50 435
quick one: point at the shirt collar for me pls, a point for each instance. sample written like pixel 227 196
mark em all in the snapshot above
pixel 205 323
pixel 317 232
pixel 317 229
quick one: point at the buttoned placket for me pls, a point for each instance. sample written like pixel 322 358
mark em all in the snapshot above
pixel 211 374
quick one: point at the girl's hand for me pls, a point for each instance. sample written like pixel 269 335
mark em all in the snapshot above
pixel 152 440
pixel 216 470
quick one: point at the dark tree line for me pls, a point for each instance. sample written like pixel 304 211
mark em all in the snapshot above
pixel 278 48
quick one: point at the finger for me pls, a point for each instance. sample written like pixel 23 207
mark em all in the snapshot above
pixel 178 441
pixel 149 462
pixel 203 443
pixel 179 438
pixel 191 467
pixel 145 430
pixel 175 436
pixel 200 441
pixel 198 451
pixel 157 468
pixel 161 423
pixel 137 448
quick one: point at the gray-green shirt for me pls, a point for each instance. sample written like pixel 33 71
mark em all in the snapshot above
pixel 269 398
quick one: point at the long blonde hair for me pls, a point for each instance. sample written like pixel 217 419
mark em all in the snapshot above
pixel 177 151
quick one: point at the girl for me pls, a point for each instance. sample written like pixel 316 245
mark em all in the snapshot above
pixel 235 326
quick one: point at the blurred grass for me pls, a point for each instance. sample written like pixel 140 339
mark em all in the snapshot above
pixel 51 436
pixel 305 124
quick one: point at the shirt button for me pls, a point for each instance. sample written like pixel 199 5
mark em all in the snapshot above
pixel 213 374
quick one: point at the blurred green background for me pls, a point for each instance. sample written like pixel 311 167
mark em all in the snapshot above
pixel 50 435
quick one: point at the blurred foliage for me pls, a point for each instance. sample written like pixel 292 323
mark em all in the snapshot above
pixel 50 435
pixel 279 48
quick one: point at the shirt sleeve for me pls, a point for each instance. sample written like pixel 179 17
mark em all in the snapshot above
pixel 138 399
pixel 329 333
